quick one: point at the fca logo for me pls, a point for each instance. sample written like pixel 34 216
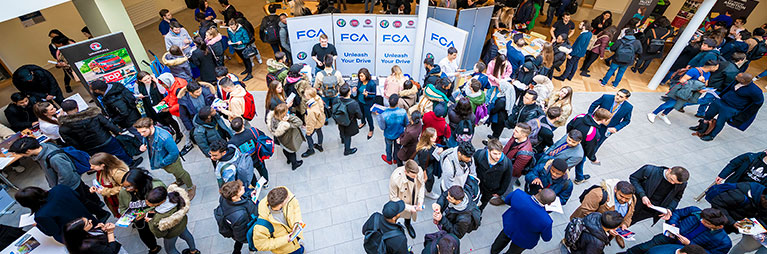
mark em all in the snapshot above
pixel 311 33
pixel 442 40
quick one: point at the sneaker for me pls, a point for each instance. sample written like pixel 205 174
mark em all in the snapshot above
pixel 484 142
pixel 297 164
pixel 259 60
pixel 249 77
pixel 431 195
pixel 665 119
pixel 266 185
pixel 707 138
pixel 137 162
pixel 585 178
pixel 385 159
pixel 186 149
pixel 307 153
pixel 603 84
pixel 651 117
pixel 318 147
pixel 351 151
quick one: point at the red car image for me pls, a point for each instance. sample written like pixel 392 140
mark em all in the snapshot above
pixel 106 63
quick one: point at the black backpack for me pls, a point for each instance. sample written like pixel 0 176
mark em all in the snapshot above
pixel 375 238
pixel 573 232
pixel 430 242
pixel 341 113
pixel 464 131
pixel 757 52
pixel 270 29
pixel 573 7
pixel 656 43
pixel 585 192
pixel 224 219
pixel 625 52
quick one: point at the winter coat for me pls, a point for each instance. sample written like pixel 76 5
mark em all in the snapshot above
pixel 745 116
pixel 458 222
pixel 172 39
pixel 114 178
pixel 703 56
pixel 494 179
pixel 739 165
pixel 407 98
pixel 130 200
pixel 566 106
pixel 599 20
pixel 175 87
pixel 544 87
pixel 592 199
pixel 60 171
pixel 234 166
pixel 600 46
pixel 152 97
pixel 206 64
pixel 87 130
pixel 561 50
pixel 163 150
pixel 276 67
pixel 179 65
pixel 505 74
pixel 581 44
pixel 62 206
pixel 686 93
pixel 205 133
pixel 742 202
pixel 42 84
pixel 275 243
pixel 526 221
pixel 120 105
pixel 315 115
pixel 453 171
pixel 523 113
pixel 284 40
pixel 171 223
pixel 430 119
pixel 186 107
pixel 288 132
pixel 520 160
pixel 432 76
pixel 400 188
pixel 588 127
pixel 593 238
pixel 241 213
pixel 723 76
pixel 563 186
pixel 397 244
pixel 354 111
pixel 688 219
pixel 20 118
pixel 646 181
pixel 238 35
pixel 409 140
pixel 300 85
pixel 236 102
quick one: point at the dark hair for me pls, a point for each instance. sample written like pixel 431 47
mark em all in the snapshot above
pixel 738 56
pixel 744 34
pixel 611 219
pixel 163 12
pixel 475 85
pixel 452 50
pixel 428 61
pixel 176 51
pixel 60 39
pixel 98 85
pixel 711 62
pixel 200 43
pixel 230 189
pixel 68 105
pixel 567 13
pixel 415 117
pixel 456 192
pixel 494 144
pixel 17 96
pixel 743 19
pixel 141 180
pixel 524 126
pixel 481 67
pixel 562 36
pixel 141 75
pixel 364 71
pixel 226 82
pixel 205 113
pixel 466 148
pixel 533 93
pixel 625 187
pixel 223 2
pixel 693 249
pixel 662 22
pixel 41 110
pixel 328 61
pixel 23 145
pixel 587 26
pixel 295 71
pixel 446 246
pixel 221 71
pixel 344 90
pixel 626 92
pixel 158 195
pixel 200 15
pixel 218 145
pixel 713 216
pixel 720 23
pixel 758 32
pixel 575 135
pixel 463 107
pixel 681 173
pixel 553 112
pixel 31 197
pixel 75 236
pixel 279 55
pixel 144 122
pixel 500 61
pixel 193 86
pixel 276 196
pixel 393 100
pixel 202 8
pixel 237 124
pixel 407 85
pixel 175 24
pixel 55 31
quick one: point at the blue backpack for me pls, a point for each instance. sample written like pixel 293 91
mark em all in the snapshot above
pixel 79 158
pixel 264 145
pixel 252 225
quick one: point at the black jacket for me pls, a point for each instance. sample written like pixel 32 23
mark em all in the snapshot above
pixel 689 52
pixel 453 118
pixel 99 244
pixel 20 118
pixel 432 76
pixel 495 179
pixel 151 98
pixel 239 214
pixel 120 105
pixel 588 127
pixel 724 76
pixel 523 113
pixel 739 165
pixel 87 130
pixel 458 222
pixel 206 64
pixel 646 180
pixel 593 239
pixel 545 137
pixel 354 111
pixel 739 203
pixel 394 245
pixel 42 85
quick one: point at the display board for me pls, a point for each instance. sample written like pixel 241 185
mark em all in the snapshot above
pixel 106 57
pixel 645 6
pixel 685 13
pixel 476 21
pixel 738 8
pixel 395 40
pixel 305 31
pixel 446 15
pixel 439 37
pixel 355 41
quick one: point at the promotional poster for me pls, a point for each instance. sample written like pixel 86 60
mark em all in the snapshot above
pixel 439 37
pixel 302 40
pixel 395 43
pixel 105 58
pixel 355 41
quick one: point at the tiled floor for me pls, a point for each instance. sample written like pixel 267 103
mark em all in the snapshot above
pixel 338 193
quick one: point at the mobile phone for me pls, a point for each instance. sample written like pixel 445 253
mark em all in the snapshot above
pixel 150 215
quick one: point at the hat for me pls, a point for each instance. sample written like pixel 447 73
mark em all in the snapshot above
pixel 392 208
pixel 440 110
pixel 710 42
pixel 560 164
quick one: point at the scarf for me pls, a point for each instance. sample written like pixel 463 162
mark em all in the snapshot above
pixel 460 206
pixel 291 80
pixel 214 40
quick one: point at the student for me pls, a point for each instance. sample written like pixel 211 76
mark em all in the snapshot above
pixel 524 222
pixel 178 36
pixel 319 54
pixel 386 222
pixel 602 22
pixel 658 186
pixel 328 82
pixel 393 122
pixel 513 55
pixel 216 46
pixel 237 212
pixel 204 57
pixel 20 113
pixel 433 72
pixel 741 201
pixel 394 82
pixel 165 19
pixel 229 12
pixel 204 8
pixel 625 50
pixel 110 172
pixel 598 229
pixel 353 113
pixel 700 227
pixel 424 150
pixel 163 153
pixel 209 127
pixel 61 62
pixel 136 185
pixel 456 212
pixel 545 137
pixel 119 103
pixel 284 38
pixel 720 79
pixel 462 121
pixel 598 50
pixel 436 119
pixel 609 195
pixel 568 148
pixel 550 175
pixel 449 66
pixel 475 93
pixel 747 167
pixel 53 208
pixel 579 50
pixel 500 101
pixel 457 165
pixel 366 95
pixel 738 44
pixel 406 184
pixel 38 83
pixel 170 220
pixel 525 109
pixel 235 99
pixel 409 138
pixel 563 26
pixel 59 169
pixel 494 170
pixel 231 164
pixel 246 139
pixel 149 93
pixel 620 108
pixel 684 92
pixel 563 99
pixel 81 236
pixel 519 150
pixel 286 128
pixel 498 69
pixel 658 30
pixel 314 120
pixel 191 99
pixel 48 119
pixel 238 40
pixel 282 210
pixel 740 103
pixel 589 124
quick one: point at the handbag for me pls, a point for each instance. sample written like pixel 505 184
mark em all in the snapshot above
pixel 249 51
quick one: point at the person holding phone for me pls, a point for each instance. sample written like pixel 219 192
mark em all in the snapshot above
pixel 136 185
pixel 169 221
pixel 282 210
pixel 234 213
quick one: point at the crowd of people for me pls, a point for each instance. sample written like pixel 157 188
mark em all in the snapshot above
pixel 428 126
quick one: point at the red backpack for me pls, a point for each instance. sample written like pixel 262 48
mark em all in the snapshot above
pixel 250 107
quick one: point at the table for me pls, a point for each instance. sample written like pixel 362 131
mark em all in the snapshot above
pixel 47 244
pixel 312 5
pixel 503 36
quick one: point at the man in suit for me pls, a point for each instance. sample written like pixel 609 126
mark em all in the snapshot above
pixel 525 222
pixel 621 109
pixel 657 186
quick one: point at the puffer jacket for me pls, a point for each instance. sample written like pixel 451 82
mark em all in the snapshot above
pixel 273 66
pixel 315 115
pixel 175 87
pixel 238 35
pixel 171 223
pixel 274 242
pixel 594 238
pixel 234 166
pixel 407 98
pixel 284 36
pixel 742 202
pixel 738 166
pixel 87 130
pixel 688 219
pixel 563 186
pixel 458 222
pixel 179 65
pixel 120 105
pixel 240 214
pixel 205 133
pixel 186 107
pixel 287 132
pixel 686 93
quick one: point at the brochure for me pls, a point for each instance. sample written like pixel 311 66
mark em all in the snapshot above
pixel 626 234
pixel 297 229
pixel 26 244
pixel 669 228
pixel 259 185
pixel 219 104
pixel 291 97
pixel 378 109
pixel 750 226
pixel 97 185
pixel 555 206
pixel 662 210
pixel 160 107
pixel 26 220
pixel 761 238
pixel 125 220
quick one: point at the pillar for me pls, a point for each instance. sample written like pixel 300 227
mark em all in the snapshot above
pixel 682 42
pixel 423 8
pixel 109 16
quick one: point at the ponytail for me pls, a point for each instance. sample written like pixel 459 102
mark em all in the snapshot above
pixel 176 198
pixel 159 194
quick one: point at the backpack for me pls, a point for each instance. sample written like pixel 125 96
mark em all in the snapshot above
pixel 79 159
pixel 329 84
pixel 717 189
pixel 258 222
pixel 264 147
pixel 272 76
pixel 431 241
pixel 250 107
pixel 531 163
pixel 625 52
pixel 130 144
pixel 573 7
pixel 656 44
pixel 757 52
pixel 585 192
pixel 464 131
pixel 535 127
pixel 374 241
pixel 340 113
pixel 270 29
pixel 573 232
pixel 225 224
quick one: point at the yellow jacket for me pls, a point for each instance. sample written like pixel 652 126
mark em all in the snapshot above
pixel 278 243
pixel 315 116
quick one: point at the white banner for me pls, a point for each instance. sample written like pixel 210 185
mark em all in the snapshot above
pixel 354 37
pixel 305 31
pixel 439 37
pixel 395 43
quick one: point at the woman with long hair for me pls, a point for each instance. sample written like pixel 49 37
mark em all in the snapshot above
pixel 274 96
pixel 423 156
pixel 366 95
pixel 203 57
pixel 170 207
pixel 562 99
pixel 409 138
pixel 547 59
pixel 315 119
pixel 216 44
pixel 286 129
pixel 82 237
pixel 136 186
pixel 150 95
pixel 498 69
pixel 394 83
pixel 206 11
pixel 299 9
pixel 48 119
pixel 109 173
pixel 602 22
pixel 458 112
pixel 598 50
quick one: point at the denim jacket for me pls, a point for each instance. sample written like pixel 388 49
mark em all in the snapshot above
pixel 163 150
pixel 393 122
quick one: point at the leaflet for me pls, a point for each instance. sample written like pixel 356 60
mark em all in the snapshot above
pixel 750 226
pixel 297 229
pixel 555 206
pixel 662 210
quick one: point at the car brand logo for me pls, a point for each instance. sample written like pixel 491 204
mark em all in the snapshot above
pixel 355 22
pixel 429 55
pixel 301 55
pixel 397 24
pixel 341 23
pixel 384 23
pixel 95 46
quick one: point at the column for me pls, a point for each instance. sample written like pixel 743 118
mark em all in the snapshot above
pixel 109 16
pixel 682 42
pixel 423 8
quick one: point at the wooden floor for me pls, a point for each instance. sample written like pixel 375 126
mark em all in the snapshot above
pixel 254 11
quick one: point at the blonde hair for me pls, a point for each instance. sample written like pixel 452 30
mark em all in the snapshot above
pixel 424 142
pixel 505 16
pixel 212 32
pixel 298 7
pixel 110 162
pixel 396 72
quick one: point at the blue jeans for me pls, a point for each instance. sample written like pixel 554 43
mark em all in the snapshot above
pixel 299 250
pixel 391 149
pixel 328 105
pixel 725 113
pixel 667 77
pixel 579 169
pixel 762 75
pixel 170 243
pixel 613 66
pixel 666 107
pixel 703 104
